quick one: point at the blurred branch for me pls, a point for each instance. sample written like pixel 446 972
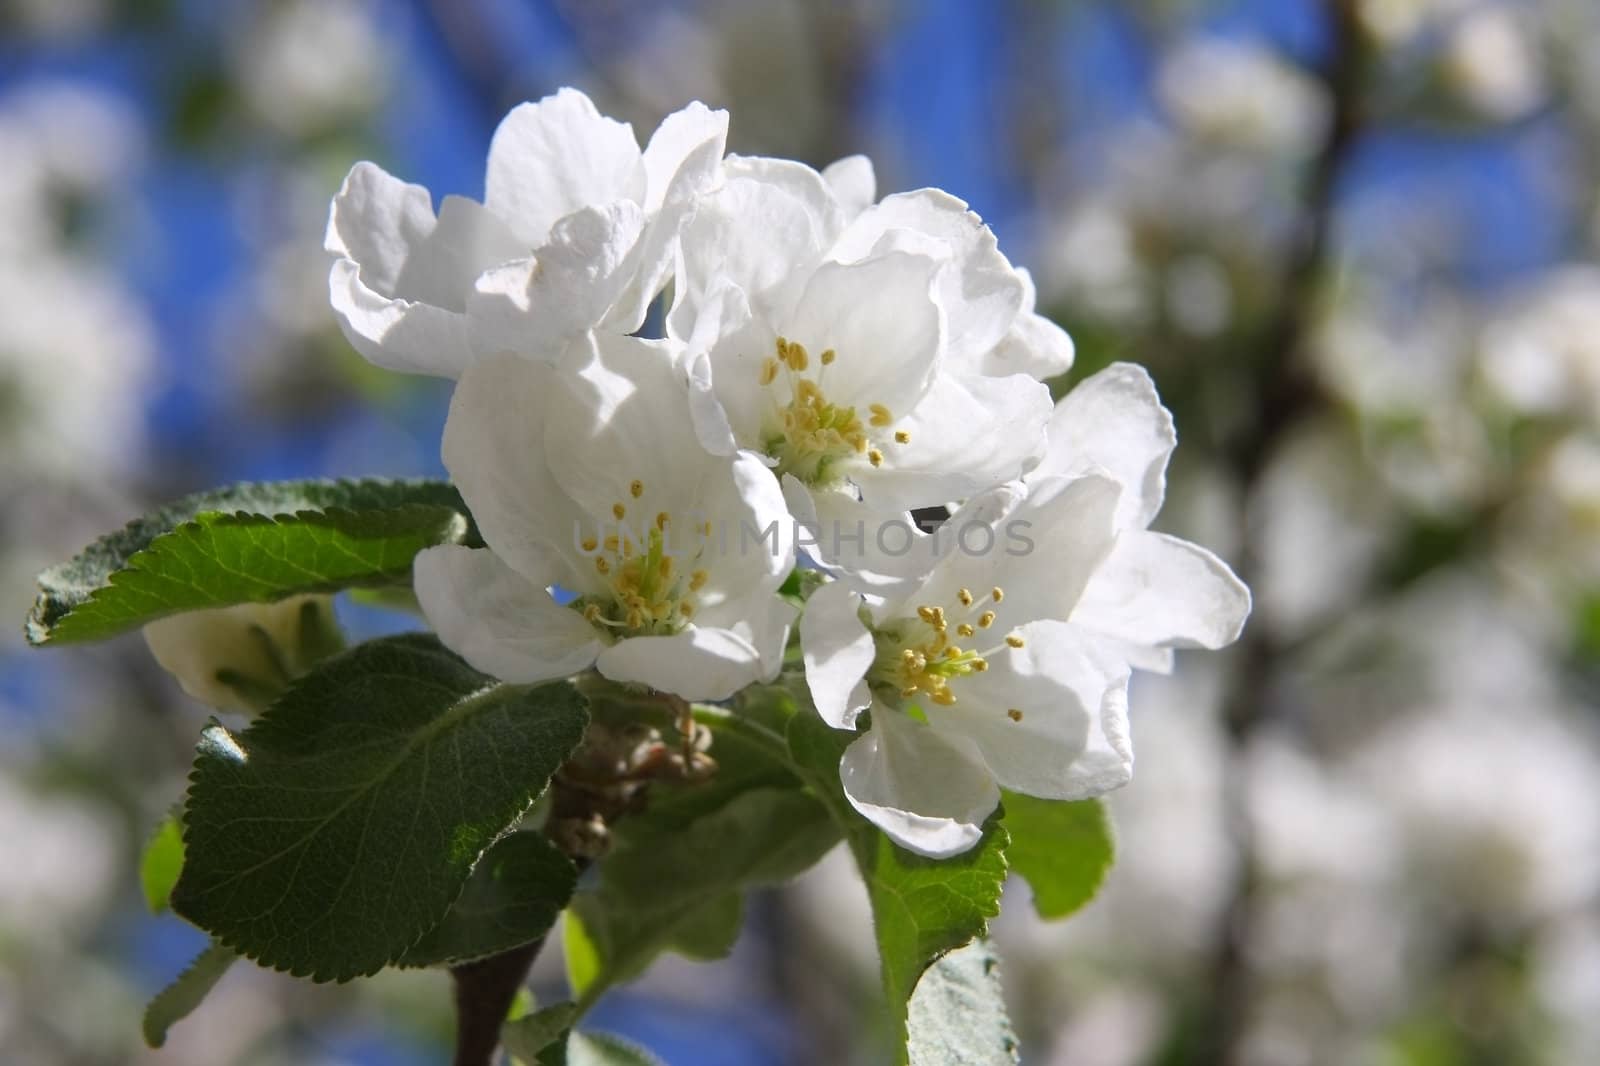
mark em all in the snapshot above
pixel 1286 393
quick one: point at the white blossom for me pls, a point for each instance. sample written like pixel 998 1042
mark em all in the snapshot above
pixel 592 480
pixel 576 231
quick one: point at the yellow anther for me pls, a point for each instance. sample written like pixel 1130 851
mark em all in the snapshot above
pixel 807 391
pixel 880 415
pixel 986 619
pixel 965 596
pixel 769 371
pixel 902 437
pixel 952 652
pixel 590 544
pixel 635 618
pixel 798 359
pixel 618 511
pixel 1015 641
pixel 1014 714
pixel 783 349
pixel 980 665
pixel 612 543
pixel 602 564
pixel 944 697
pixel 686 609
pixel 662 518
pixel 636 488
pixel 964 630
pixel 997 593
pixel 859 443
pixel 875 457
pixel 927 614
pixel 592 612
pixel 828 356
pixel 697 580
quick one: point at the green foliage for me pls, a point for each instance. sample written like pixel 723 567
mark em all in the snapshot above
pixel 547 1039
pixel 179 999
pixel 958 1015
pixel 1064 850
pixel 250 543
pixel 513 897
pixel 161 864
pixel 921 908
pixel 525 1038
pixel 338 829
pixel 674 876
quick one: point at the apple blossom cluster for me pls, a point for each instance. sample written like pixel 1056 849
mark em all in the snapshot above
pixel 829 363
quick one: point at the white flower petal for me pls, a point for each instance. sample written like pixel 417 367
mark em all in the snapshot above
pixel 554 157
pixel 1067 536
pixel 967 434
pixel 979 291
pixel 929 792
pixel 799 181
pixel 535 307
pixel 684 154
pixel 623 418
pixel 838 652
pixel 699 663
pixel 756 236
pixel 1034 345
pixel 724 355
pixel 854 184
pixel 878 315
pixel 498 620
pixel 494 448
pixel 1158 590
pixel 1071 739
pixel 402 274
pixel 377 220
pixel 1114 422
pixel 412 338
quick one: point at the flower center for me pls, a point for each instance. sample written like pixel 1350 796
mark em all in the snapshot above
pixel 649 593
pixel 809 436
pixel 918 655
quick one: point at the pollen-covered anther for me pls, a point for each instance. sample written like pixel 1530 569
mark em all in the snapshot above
pixel 980 664
pixel 686 609
pixel 965 630
pixel 662 518
pixel 769 371
pixel 986 619
pixel 636 488
pixel 602 564
pixel 902 437
pixel 875 457
pixel 997 594
pixel 1015 641
pixel 591 612
pixel 1014 714
pixel 965 596
pixel 590 545
pixel 944 697
pixel 697 580
pixel 880 415
pixel 618 511
pixel 828 356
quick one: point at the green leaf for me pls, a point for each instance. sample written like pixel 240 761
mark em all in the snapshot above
pixel 179 999
pixel 958 1015
pixel 161 864
pixel 1063 849
pixel 922 908
pixel 547 1039
pixel 526 1038
pixel 251 543
pixel 338 829
pixel 513 897
pixel 673 878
